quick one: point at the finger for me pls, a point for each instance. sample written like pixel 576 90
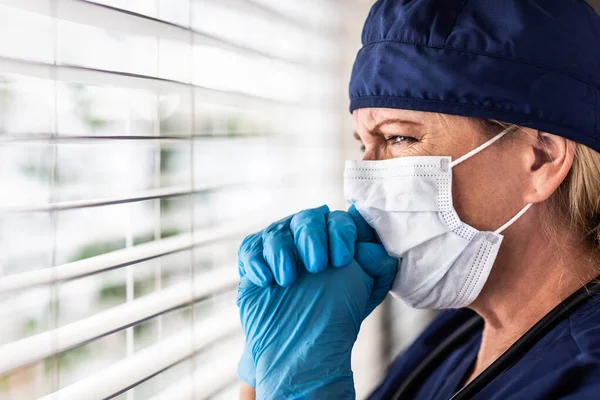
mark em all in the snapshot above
pixel 342 237
pixel 309 229
pixel 364 231
pixel 251 263
pixel 279 251
pixel 375 261
pixel 324 209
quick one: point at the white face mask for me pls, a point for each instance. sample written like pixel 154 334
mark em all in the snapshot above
pixel 443 262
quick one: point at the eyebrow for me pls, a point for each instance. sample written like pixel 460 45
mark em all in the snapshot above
pixel 394 121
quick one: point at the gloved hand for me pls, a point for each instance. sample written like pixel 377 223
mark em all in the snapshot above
pixel 300 337
pixel 311 239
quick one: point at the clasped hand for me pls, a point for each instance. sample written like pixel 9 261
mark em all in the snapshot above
pixel 307 283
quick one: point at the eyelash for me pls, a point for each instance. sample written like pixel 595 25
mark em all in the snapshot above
pixel 404 139
pixel 408 139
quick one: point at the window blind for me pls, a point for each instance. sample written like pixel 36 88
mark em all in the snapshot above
pixel 140 141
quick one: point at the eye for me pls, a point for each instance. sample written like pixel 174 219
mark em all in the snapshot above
pixel 362 145
pixel 401 140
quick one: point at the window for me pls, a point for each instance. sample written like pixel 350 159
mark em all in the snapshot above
pixel 140 141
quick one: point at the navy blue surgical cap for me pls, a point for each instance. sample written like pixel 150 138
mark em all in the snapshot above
pixel 534 63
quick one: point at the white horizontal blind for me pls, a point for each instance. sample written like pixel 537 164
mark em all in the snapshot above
pixel 140 141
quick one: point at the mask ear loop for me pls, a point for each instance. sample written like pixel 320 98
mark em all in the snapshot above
pixel 481 148
pixel 513 219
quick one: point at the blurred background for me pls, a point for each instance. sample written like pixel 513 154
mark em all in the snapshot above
pixel 140 141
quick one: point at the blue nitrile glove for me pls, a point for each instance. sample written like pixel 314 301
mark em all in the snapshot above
pixel 310 239
pixel 343 229
pixel 301 336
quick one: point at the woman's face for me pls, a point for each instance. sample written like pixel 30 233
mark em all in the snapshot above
pixel 488 188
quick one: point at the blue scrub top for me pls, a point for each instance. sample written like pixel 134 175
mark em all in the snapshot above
pixel 563 364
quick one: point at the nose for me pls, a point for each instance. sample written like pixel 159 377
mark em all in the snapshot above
pixel 376 153
pixel 369 155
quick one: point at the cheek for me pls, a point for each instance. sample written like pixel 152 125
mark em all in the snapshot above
pixel 486 192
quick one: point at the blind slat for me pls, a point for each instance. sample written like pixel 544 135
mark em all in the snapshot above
pixel 109 18
pixel 121 258
pixel 207 379
pixel 93 76
pixel 35 348
pixel 36 138
pixel 147 363
pixel 68 205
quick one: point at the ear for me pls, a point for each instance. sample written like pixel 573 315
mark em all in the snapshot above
pixel 549 162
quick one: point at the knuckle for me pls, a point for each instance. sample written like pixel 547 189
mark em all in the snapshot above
pixel 311 216
pixel 277 233
pixel 337 218
pixel 249 243
pixel 277 226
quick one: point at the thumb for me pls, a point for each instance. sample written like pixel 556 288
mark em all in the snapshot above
pixel 364 230
pixel 375 261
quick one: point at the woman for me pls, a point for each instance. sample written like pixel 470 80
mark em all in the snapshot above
pixel 452 209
